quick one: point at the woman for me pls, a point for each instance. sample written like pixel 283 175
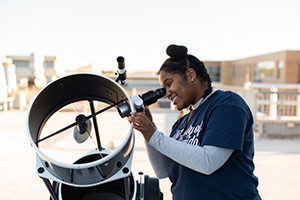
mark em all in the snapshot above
pixel 209 153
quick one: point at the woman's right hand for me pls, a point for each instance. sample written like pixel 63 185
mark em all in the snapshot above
pixel 141 122
pixel 148 113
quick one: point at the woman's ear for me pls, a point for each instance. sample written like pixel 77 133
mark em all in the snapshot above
pixel 191 74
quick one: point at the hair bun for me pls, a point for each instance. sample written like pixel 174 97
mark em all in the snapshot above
pixel 177 52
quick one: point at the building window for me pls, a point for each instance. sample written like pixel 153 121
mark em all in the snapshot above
pixel 280 66
pixel 264 71
pixel 48 65
pixel 21 64
pixel 214 73
pixel 234 71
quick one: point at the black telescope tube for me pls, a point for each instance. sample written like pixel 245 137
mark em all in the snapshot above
pixel 121 64
pixel 122 71
pixel 151 96
pixel 142 100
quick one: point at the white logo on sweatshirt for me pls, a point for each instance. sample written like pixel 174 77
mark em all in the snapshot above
pixel 190 136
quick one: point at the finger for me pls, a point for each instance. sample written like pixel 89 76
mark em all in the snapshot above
pixel 148 113
pixel 141 121
pixel 137 120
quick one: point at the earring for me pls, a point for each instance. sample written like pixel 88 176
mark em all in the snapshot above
pixel 192 80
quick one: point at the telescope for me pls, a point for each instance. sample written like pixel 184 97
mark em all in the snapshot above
pixel 121 70
pixel 72 161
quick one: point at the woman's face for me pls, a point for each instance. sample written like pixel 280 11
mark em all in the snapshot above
pixel 182 92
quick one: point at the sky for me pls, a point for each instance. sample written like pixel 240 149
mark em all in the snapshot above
pixel 101 30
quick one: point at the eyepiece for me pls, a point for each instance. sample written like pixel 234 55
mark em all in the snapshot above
pixel 151 96
pixel 121 70
pixel 121 64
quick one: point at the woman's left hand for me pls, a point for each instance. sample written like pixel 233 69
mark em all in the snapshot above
pixel 143 124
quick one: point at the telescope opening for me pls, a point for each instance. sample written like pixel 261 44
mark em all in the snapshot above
pixel 68 145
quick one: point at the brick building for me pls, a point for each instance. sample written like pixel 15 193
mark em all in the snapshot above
pixel 278 67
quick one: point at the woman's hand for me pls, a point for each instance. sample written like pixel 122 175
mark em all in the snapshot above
pixel 148 113
pixel 143 123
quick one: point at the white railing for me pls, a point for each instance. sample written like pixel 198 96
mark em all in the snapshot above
pixel 277 100
pixel 275 107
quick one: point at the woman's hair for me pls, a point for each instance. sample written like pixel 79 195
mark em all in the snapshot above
pixel 179 62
